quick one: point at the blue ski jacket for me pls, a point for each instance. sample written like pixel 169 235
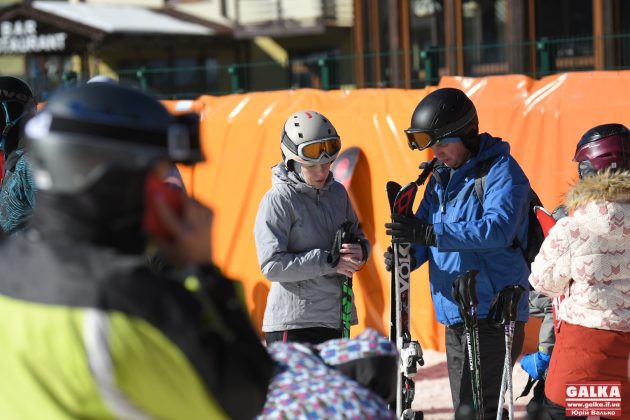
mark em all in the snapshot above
pixel 472 236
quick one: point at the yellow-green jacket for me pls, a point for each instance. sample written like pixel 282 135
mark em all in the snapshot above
pixel 86 333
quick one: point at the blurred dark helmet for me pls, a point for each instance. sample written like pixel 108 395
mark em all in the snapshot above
pixel 444 113
pixel 605 146
pixel 87 132
pixel 16 105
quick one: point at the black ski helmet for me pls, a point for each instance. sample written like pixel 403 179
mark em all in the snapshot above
pixel 16 104
pixel 86 132
pixel 445 112
pixel 602 147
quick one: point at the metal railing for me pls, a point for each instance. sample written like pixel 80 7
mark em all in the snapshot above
pixel 335 70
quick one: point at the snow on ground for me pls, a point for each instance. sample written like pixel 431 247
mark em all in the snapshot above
pixel 433 394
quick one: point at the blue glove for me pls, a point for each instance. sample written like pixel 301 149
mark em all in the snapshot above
pixel 535 364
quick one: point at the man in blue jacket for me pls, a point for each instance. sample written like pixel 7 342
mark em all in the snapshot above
pixel 455 231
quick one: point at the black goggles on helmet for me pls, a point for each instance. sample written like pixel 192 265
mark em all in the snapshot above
pixel 314 150
pixel 180 139
pixel 421 138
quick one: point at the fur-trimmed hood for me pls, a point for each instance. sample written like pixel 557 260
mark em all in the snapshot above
pixel 601 204
pixel 603 186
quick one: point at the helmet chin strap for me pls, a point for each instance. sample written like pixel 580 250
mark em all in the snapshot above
pixel 297 168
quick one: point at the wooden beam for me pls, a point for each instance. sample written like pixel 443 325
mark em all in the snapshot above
pixel 394 43
pixel 598 34
pixel 375 40
pixel 459 37
pixel 531 36
pixel 406 45
pixel 359 52
pixel 610 25
pixel 516 35
pixel 450 37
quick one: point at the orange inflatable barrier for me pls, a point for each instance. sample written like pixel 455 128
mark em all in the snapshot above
pixel 541 119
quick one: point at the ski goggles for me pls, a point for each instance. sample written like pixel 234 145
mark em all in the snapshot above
pixel 418 138
pixel 423 140
pixel 314 150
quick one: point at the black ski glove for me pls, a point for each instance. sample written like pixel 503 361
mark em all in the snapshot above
pixel 343 235
pixel 389 258
pixel 410 229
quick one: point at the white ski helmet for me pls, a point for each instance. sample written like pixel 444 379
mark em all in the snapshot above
pixel 308 137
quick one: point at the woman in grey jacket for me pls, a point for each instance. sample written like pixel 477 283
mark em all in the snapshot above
pixel 295 230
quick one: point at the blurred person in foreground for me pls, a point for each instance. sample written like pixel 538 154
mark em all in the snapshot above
pixel 586 259
pixel 87 330
pixel 18 192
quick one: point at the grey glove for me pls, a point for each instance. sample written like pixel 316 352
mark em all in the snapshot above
pixel 389 258
pixel 560 212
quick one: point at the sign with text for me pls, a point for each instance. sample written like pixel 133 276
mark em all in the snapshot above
pixel 21 37
pixel 593 399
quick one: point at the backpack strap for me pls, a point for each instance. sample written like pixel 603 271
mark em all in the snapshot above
pixel 480 178
pixel 480 182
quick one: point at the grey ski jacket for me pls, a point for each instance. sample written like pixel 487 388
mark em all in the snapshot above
pixel 294 232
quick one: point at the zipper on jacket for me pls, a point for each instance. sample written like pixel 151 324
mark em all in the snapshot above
pixel 441 197
pixel 317 197
pixel 443 200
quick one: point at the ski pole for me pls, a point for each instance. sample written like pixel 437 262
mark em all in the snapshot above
pixel 465 294
pixel 503 311
pixel 346 306
pixel 342 236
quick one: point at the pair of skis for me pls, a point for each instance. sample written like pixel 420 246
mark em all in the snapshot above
pixel 401 202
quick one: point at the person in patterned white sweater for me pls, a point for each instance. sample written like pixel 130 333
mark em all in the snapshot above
pixel 586 257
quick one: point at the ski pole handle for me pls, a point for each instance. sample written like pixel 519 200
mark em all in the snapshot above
pixel 464 291
pixel 504 307
pixel 471 277
pixel 426 167
pixel 343 235
pixel 514 301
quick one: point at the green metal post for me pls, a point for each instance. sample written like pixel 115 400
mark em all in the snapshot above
pixel 324 72
pixel 425 56
pixel 234 82
pixel 545 60
pixel 141 74
pixel 430 58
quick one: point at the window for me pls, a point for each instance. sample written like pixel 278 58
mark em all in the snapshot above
pixel 484 26
pixel 306 70
pixel 426 23
pixel 46 72
pixel 567 25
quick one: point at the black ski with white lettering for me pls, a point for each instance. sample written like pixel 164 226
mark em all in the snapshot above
pixel 410 350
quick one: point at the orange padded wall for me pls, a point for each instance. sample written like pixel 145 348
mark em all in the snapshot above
pixel 541 119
